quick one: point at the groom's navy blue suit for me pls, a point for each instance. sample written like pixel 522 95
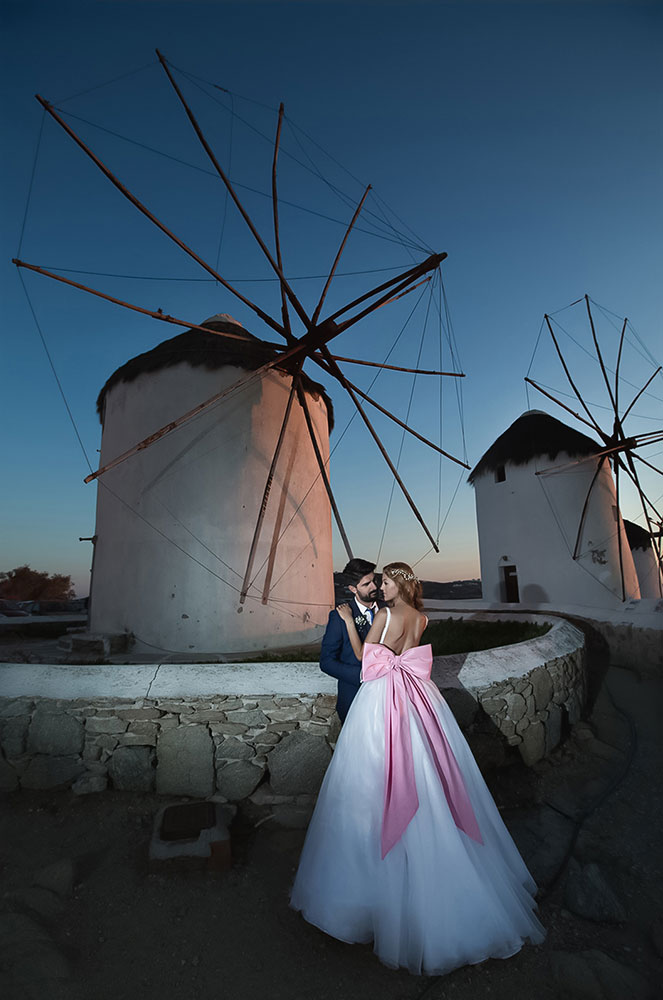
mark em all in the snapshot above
pixel 337 657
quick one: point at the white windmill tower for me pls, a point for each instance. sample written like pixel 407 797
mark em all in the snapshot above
pixel 530 489
pixel 647 564
pixel 546 495
pixel 173 523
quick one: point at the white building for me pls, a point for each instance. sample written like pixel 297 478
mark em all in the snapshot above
pixel 175 521
pixel 532 486
pixel 646 563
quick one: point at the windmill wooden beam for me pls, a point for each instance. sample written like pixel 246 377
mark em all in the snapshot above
pixel 559 403
pixel 241 383
pixel 648 464
pixel 619 361
pixel 576 392
pixel 383 451
pixel 600 359
pixel 291 357
pixel 157 222
pixel 405 427
pixel 585 507
pixel 285 317
pixel 430 264
pixel 619 446
pixel 644 501
pixel 265 496
pixel 396 368
pixel 637 396
pixel 299 309
pixel 155 314
pixel 620 554
pixel 316 311
pixel 604 453
pixel 301 396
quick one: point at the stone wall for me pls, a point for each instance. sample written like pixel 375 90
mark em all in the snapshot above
pixel 529 711
pixel 523 696
pixel 195 747
pixel 132 727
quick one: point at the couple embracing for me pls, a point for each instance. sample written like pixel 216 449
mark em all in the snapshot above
pixel 406 847
pixel 337 656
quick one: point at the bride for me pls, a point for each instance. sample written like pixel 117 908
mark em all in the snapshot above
pixel 406 847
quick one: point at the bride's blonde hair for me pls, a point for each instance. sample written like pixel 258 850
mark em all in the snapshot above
pixel 409 587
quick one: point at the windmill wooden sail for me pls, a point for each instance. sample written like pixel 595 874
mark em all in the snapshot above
pixel 311 344
pixel 619 448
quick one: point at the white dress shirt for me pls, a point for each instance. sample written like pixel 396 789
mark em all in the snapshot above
pixel 363 608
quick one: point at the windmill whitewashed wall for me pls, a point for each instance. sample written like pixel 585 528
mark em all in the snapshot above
pixel 175 521
pixel 528 523
pixel 644 557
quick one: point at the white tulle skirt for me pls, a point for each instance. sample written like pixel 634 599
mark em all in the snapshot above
pixel 438 900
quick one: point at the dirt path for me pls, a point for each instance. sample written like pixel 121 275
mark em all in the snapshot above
pixel 105 928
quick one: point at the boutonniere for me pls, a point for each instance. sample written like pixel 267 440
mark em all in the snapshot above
pixel 360 621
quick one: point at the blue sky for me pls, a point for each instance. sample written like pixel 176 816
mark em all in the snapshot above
pixel 524 139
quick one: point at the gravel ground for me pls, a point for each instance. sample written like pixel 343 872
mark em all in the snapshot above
pixel 107 928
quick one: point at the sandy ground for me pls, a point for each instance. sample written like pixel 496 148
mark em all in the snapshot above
pixel 120 932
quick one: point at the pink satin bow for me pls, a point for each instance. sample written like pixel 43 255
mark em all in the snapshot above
pixel 404 675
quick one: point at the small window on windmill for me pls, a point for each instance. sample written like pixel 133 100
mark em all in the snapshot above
pixel 500 474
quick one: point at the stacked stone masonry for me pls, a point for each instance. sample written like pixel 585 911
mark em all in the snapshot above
pixel 224 745
pixel 530 711
pixel 272 748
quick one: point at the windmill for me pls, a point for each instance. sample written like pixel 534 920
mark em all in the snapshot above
pixel 310 341
pixel 620 448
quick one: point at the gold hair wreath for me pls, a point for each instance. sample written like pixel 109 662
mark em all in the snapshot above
pixel 402 572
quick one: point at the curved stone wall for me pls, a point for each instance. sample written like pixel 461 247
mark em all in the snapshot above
pixel 201 729
pixel 524 692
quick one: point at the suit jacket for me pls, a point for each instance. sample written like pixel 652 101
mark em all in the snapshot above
pixel 337 658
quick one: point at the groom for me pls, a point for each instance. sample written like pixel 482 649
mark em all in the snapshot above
pixel 336 655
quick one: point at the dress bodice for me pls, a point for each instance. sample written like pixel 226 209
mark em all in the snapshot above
pixel 384 632
pixel 406 678
pixel 386 625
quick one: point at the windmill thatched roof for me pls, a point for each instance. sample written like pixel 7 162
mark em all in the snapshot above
pixel 207 350
pixel 534 434
pixel 638 537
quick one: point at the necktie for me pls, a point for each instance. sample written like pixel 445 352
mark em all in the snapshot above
pixel 369 615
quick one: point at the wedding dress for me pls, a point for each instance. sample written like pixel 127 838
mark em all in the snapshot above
pixel 406 847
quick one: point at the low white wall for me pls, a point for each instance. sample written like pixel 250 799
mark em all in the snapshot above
pixel 164 680
pixel 633 631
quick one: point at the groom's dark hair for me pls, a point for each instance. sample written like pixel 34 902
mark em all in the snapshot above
pixel 355 570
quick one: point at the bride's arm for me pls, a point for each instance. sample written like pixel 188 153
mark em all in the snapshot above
pixel 345 612
pixel 374 633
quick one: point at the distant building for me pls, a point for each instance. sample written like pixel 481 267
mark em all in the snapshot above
pixel 646 564
pixel 543 536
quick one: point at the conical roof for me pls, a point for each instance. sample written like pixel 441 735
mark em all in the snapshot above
pixel 534 434
pixel 207 350
pixel 638 537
